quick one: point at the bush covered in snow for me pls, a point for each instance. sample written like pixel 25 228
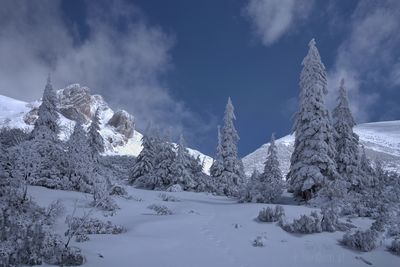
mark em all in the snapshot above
pixel 168 198
pixel 306 224
pixel 259 241
pixel 117 190
pixel 395 246
pixel 175 188
pixel 160 209
pixel 361 240
pixel 56 253
pixel 54 210
pixel 269 214
pixel 80 227
pixel 326 221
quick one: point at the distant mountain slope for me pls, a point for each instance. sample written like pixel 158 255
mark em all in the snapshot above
pixel 76 102
pixel 381 140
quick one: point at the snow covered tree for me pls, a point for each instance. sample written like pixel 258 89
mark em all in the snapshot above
pixel 218 165
pixel 313 159
pixel 46 126
pixel 101 194
pixel 347 157
pixel 267 186
pixel 80 160
pixel 160 176
pixel 25 228
pixel 250 192
pixel 271 180
pixel 95 139
pixel 232 175
pixel 366 171
pixel 41 160
pixel 165 157
pixel 145 161
pixel 181 167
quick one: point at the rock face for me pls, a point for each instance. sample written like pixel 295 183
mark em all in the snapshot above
pixel 123 123
pixel 31 116
pixel 75 102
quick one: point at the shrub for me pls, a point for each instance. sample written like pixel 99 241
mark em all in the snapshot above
pixel 160 209
pixel 271 215
pixel 175 188
pixel 56 253
pixel 330 221
pixel 306 224
pixel 54 210
pixel 326 221
pixel 361 240
pixel 395 246
pixel 168 198
pixel 80 227
pixel 259 241
pixel 118 190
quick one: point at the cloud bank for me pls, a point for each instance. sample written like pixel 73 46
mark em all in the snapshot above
pixel 369 55
pixel 272 19
pixel 126 66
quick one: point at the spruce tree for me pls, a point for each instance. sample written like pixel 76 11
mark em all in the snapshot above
pixel 145 161
pixel 267 186
pixel 218 165
pixel 80 160
pixel 347 157
pixel 46 125
pixel 181 172
pixel 313 158
pixel 271 180
pixel 232 175
pixel 96 141
pixel 165 156
pixel 41 160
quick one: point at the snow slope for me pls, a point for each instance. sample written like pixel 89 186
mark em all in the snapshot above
pixel 12 112
pixel 381 141
pixel 205 230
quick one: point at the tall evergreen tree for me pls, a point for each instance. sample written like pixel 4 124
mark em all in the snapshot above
pixel 46 125
pixel 271 179
pixel 267 186
pixel 96 141
pixel 313 159
pixel 181 172
pixel 80 160
pixel 218 165
pixel 232 175
pixel 145 161
pixel 347 157
pixel 41 160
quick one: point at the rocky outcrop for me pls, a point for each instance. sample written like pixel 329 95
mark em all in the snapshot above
pixel 123 123
pixel 75 102
pixel 31 116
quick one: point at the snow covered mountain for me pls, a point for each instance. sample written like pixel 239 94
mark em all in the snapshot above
pixel 76 103
pixel 381 141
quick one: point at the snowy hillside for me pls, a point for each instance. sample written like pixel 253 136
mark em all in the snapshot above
pixel 75 101
pixel 204 230
pixel 381 140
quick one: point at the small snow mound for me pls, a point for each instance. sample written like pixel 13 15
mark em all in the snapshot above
pixel 175 188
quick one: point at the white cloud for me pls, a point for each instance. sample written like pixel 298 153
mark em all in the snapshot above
pixel 126 66
pixel 271 19
pixel 368 54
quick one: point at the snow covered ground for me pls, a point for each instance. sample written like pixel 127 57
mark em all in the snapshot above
pixel 205 230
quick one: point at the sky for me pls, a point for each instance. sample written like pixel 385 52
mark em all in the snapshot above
pixel 174 63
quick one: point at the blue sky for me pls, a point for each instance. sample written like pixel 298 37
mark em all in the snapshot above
pixel 176 62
